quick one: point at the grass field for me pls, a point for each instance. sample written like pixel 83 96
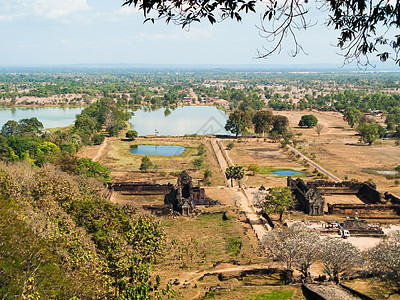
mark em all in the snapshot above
pixel 124 165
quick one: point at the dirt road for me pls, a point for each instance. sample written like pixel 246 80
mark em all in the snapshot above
pixel 315 165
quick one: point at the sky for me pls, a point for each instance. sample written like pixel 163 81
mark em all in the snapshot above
pixel 56 32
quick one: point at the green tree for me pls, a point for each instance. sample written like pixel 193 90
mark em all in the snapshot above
pixel 280 124
pixel 31 126
pixel 308 121
pixel 370 132
pixel 85 124
pixel 234 172
pixel 262 121
pixel 238 173
pixel 146 164
pixel 98 139
pixel 237 122
pixel 207 175
pixel 278 200
pixel 131 134
pixel 90 168
pixel 10 128
pixel 352 115
pixel 230 174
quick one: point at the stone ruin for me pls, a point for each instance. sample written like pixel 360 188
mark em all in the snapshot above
pixel 180 198
pixel 308 197
pixel 184 196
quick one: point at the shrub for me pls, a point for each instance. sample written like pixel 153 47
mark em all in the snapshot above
pixel 131 134
pixel 254 168
pixel 197 163
pixel 146 164
pixel 201 150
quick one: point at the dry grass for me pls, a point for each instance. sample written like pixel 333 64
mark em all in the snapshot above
pixel 200 244
pixel 266 155
pixel 371 287
pixel 124 166
pixel 338 150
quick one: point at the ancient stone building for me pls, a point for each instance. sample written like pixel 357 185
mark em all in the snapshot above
pixel 308 197
pixel 182 196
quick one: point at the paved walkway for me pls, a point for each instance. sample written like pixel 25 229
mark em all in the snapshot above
pixel 315 165
pixel 242 198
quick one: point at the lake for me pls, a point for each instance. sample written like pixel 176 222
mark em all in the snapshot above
pixel 180 121
pixel 165 150
pixel 51 117
pixel 177 122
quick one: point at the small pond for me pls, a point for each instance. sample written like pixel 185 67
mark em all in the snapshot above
pixel 165 150
pixel 285 172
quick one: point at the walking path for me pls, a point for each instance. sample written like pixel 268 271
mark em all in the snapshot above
pixel 101 150
pixel 242 199
pixel 315 165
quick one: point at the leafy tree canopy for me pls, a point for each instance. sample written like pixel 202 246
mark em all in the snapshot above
pixel 370 132
pixel 308 121
pixel 278 200
pixel 262 121
pixel 365 27
pixel 131 134
pixel 280 124
pixel 238 122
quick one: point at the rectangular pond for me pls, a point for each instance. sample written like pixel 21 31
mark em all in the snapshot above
pixel 165 150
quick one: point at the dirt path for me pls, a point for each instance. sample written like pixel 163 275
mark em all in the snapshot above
pixel 101 150
pixel 315 165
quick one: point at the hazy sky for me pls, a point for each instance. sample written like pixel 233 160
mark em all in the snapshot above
pixel 101 31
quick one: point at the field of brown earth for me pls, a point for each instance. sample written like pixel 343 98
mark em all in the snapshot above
pixel 266 155
pixel 338 150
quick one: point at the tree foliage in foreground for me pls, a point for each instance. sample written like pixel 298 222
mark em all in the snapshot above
pixel 339 256
pixel 70 240
pixel 365 27
pixel 296 246
pixel 384 261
